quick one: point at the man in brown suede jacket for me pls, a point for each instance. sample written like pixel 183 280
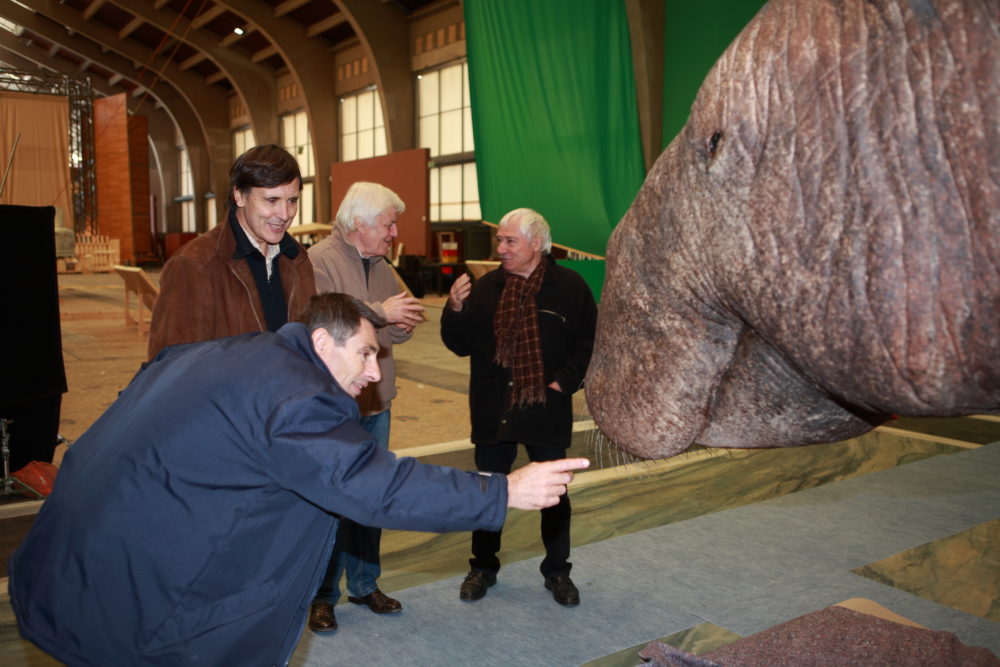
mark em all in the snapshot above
pixel 247 274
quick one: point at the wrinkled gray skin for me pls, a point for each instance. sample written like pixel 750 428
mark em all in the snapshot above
pixel 820 246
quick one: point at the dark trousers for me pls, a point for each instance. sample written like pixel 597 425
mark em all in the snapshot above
pixel 356 550
pixel 555 520
pixel 33 429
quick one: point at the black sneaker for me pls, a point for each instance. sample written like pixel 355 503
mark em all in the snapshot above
pixel 563 590
pixel 475 584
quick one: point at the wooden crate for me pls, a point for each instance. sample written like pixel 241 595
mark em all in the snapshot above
pixel 67 265
pixel 97 253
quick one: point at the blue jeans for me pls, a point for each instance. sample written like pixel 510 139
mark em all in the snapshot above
pixel 356 549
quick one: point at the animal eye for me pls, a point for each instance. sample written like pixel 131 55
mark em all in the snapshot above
pixel 713 143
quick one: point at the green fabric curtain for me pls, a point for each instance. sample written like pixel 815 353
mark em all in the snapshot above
pixel 554 113
pixel 695 35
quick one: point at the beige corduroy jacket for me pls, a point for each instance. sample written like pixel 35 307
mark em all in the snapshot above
pixel 338 268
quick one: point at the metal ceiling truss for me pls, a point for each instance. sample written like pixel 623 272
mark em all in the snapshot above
pixel 189 56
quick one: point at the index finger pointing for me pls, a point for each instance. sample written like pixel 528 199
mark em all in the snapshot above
pixel 572 464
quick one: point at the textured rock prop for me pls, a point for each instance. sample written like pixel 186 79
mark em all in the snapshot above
pixel 820 245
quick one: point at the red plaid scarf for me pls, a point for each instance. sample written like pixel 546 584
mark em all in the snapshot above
pixel 519 343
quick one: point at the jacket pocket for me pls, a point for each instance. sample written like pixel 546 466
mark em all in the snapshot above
pixel 486 402
pixel 544 420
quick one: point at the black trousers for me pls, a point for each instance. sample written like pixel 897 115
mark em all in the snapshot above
pixel 33 430
pixel 555 520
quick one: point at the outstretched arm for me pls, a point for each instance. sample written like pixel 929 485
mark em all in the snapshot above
pixel 539 485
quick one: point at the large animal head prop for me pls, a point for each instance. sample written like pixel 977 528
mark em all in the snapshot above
pixel 820 245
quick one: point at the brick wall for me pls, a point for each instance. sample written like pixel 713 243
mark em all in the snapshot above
pixel 111 158
pixel 121 157
pixel 138 150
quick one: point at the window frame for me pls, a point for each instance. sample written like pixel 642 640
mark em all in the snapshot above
pixel 299 120
pixel 350 112
pixel 469 206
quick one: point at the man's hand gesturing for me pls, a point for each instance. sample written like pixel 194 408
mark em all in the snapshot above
pixel 404 311
pixel 460 290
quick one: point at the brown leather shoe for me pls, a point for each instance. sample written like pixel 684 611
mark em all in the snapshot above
pixel 321 618
pixel 475 584
pixel 378 602
pixel 563 590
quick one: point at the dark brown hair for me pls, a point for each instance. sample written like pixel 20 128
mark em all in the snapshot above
pixel 339 314
pixel 265 166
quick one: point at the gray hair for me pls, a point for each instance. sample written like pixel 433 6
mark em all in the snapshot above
pixel 533 226
pixel 365 201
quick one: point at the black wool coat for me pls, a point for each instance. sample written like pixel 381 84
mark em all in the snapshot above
pixel 567 317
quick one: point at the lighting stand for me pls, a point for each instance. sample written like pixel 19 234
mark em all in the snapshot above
pixel 10 485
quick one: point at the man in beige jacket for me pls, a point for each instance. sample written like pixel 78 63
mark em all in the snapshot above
pixel 352 261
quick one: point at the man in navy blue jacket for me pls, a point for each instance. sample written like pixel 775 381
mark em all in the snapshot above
pixel 192 522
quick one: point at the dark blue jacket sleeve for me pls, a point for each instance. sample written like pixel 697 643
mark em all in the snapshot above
pixel 315 450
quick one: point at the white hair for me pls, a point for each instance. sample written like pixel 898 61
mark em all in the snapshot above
pixel 365 201
pixel 533 226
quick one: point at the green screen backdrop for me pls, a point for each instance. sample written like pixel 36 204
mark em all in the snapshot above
pixel 554 113
pixel 695 35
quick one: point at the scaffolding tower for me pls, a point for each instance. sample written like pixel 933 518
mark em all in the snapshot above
pixel 81 132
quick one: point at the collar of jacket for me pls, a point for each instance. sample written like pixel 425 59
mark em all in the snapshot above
pixel 287 245
pixel 350 249
pixel 499 276
pixel 296 335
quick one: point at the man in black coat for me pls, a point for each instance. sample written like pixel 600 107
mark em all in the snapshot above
pixel 529 330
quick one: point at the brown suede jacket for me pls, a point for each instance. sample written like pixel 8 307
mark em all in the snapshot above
pixel 206 293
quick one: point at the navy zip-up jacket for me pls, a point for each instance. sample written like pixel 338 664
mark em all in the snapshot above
pixel 192 522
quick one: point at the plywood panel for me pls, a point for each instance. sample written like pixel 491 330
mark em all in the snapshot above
pixel 404 172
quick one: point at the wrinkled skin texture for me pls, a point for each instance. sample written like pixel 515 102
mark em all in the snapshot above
pixel 819 247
